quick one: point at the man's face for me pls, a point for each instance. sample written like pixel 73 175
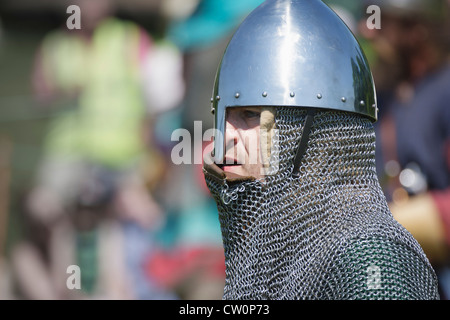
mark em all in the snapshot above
pixel 242 142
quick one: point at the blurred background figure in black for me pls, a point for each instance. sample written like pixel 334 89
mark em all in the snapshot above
pixel 412 73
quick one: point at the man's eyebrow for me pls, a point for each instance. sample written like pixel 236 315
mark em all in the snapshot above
pixel 254 109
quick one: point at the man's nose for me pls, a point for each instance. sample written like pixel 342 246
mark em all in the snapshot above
pixel 231 134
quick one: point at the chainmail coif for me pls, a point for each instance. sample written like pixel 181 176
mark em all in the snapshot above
pixel 322 234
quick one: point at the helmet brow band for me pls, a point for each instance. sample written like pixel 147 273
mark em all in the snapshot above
pixel 303 145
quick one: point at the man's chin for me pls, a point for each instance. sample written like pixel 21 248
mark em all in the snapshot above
pixel 243 170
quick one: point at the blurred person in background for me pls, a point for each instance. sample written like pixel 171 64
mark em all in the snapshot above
pixel 412 73
pixel 92 204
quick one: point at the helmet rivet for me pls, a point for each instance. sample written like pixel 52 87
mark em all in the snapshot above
pixel 212 100
pixel 237 95
pixel 375 107
pixel 344 99
pixel 212 110
pixel 218 98
pixel 292 94
pixel 264 94
pixel 362 103
pixel 319 96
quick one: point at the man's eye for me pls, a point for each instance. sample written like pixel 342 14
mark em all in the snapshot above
pixel 251 114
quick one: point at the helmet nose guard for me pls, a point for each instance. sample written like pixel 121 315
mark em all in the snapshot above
pixel 295 53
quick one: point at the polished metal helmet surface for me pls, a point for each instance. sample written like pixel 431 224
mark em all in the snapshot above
pixel 295 53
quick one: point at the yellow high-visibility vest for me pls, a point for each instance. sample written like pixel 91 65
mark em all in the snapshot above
pixel 105 127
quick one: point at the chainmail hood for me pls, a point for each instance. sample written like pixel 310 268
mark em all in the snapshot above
pixel 324 234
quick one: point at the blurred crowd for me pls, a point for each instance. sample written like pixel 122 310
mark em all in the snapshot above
pixel 105 195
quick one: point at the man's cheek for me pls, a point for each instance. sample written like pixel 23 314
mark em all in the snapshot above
pixel 252 147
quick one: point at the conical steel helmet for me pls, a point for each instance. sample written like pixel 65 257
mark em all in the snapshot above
pixel 295 53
